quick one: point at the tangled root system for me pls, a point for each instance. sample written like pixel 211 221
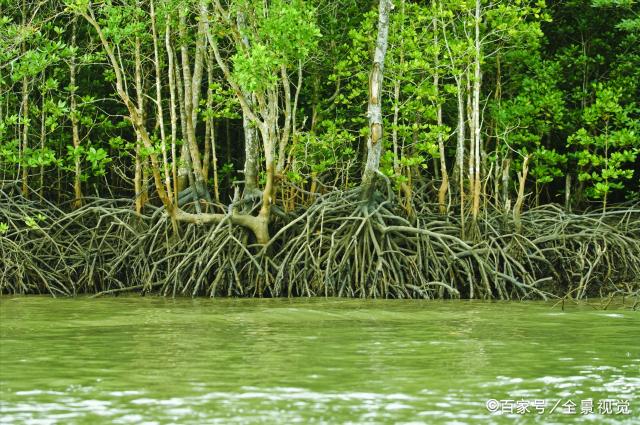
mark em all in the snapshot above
pixel 339 246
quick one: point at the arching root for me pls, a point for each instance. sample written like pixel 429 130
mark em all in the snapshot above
pixel 339 246
pixel 342 246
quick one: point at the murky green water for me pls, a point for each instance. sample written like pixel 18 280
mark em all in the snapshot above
pixel 153 360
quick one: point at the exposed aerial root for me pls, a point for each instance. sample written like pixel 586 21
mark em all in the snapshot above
pixel 593 254
pixel 339 246
pixel 344 247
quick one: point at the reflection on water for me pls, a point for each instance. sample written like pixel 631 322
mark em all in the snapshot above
pixel 155 360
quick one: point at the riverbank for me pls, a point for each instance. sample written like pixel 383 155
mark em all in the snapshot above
pixel 336 247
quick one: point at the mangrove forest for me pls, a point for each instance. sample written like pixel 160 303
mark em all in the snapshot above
pixel 476 149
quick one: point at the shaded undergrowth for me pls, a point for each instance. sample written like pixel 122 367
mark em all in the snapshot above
pixel 339 246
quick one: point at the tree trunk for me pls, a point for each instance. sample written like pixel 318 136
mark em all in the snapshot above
pixel 139 183
pixel 77 188
pixel 251 147
pixel 25 135
pixel 506 201
pixel 172 106
pixel 444 186
pixel 567 191
pixel 374 141
pixel 185 163
pixel 190 105
pixel 517 208
pixel 460 147
pixel 159 108
pixel 286 86
pixel 269 141
pixel 476 116
pixel 25 113
pixel 43 133
pixel 134 113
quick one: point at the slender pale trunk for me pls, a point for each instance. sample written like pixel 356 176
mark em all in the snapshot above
pixel 458 168
pixel 212 129
pixel 139 183
pixel 43 134
pixel 476 116
pixel 460 147
pixel 472 133
pixel 25 114
pixel 251 157
pixel 269 141
pixel 135 114
pixel 185 161
pixel 567 192
pixel 374 141
pixel 159 108
pixel 294 127
pixel 207 149
pixel 506 201
pixel 394 130
pixel 172 106
pixel 498 99
pixel 251 146
pixel 398 151
pixel 517 208
pixel 25 134
pixel 208 123
pixel 284 139
pixel 444 186
pixel 75 134
pixel 199 63
pixel 291 160
pixel 214 161
pixel 191 105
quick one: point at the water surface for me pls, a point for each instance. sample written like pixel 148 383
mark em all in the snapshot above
pixel 133 360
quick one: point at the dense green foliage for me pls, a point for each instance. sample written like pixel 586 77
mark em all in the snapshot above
pixel 560 83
